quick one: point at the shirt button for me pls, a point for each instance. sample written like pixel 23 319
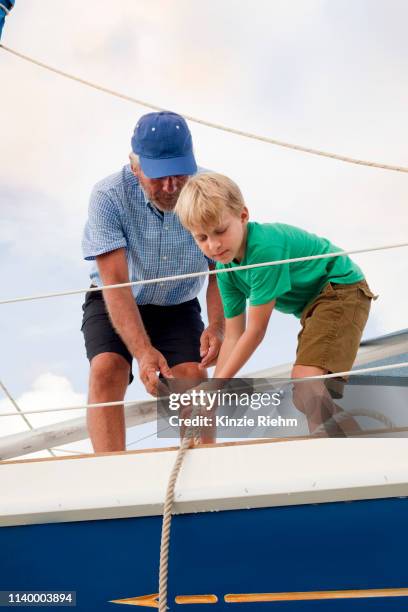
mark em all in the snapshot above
pixel 166 227
pixel 165 257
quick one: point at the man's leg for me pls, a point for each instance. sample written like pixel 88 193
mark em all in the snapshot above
pixel 110 364
pixel 108 381
pixel 189 370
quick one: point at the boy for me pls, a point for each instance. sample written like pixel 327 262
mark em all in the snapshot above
pixel 330 296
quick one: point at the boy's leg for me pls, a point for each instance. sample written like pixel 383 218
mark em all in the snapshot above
pixel 313 399
pixel 332 326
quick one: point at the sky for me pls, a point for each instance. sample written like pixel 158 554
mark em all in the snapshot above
pixel 324 74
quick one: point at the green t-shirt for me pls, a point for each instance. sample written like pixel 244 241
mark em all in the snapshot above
pixel 292 285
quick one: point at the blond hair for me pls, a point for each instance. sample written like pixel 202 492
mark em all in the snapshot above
pixel 204 199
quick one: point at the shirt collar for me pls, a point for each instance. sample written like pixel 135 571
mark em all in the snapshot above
pixel 150 205
pixel 159 213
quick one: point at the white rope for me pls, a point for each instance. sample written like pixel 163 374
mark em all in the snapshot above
pixel 373 414
pixel 162 279
pixel 210 124
pixel 19 412
pixel 365 412
pixel 6 10
pixel 167 515
pixel 402 364
pixel 83 407
pixel 338 417
pixel 151 435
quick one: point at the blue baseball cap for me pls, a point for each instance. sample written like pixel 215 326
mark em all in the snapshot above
pixel 164 145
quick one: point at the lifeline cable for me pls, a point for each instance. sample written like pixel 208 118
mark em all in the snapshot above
pixel 402 364
pixel 210 124
pixel 151 281
pixel 154 433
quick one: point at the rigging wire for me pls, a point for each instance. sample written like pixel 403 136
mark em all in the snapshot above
pixel 210 124
pixel 403 364
pixel 20 412
pixel 151 281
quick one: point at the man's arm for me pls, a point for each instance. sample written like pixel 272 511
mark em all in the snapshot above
pixel 126 319
pixel 212 337
pixel 239 348
pixel 121 304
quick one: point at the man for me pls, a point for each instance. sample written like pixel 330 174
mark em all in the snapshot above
pixel 133 234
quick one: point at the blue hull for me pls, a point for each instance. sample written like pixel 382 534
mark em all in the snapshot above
pixel 330 546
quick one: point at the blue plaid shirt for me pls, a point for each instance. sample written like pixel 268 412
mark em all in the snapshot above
pixel 156 243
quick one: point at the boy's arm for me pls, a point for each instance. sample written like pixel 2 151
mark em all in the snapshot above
pixel 212 336
pixel 238 349
pixel 234 328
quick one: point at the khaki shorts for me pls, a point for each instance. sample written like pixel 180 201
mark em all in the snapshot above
pixel 332 326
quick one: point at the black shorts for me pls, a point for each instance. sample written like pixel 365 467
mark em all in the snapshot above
pixel 175 331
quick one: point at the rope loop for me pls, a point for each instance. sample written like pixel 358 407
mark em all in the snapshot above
pixel 5 9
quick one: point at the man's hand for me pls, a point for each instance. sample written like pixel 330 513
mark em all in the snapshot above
pixel 150 362
pixel 210 344
pixel 205 412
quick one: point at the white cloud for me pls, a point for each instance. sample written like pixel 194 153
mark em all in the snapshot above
pixel 48 391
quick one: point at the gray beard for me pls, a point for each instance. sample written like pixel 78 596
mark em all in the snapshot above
pixel 158 205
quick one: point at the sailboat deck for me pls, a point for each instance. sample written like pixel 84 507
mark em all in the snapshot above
pixel 225 476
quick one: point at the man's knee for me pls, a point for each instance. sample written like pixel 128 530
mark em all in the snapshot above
pixel 190 369
pixel 109 369
pixel 186 375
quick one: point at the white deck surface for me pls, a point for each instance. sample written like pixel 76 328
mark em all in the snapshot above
pixel 233 476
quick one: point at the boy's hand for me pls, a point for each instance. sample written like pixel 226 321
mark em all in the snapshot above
pixel 210 344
